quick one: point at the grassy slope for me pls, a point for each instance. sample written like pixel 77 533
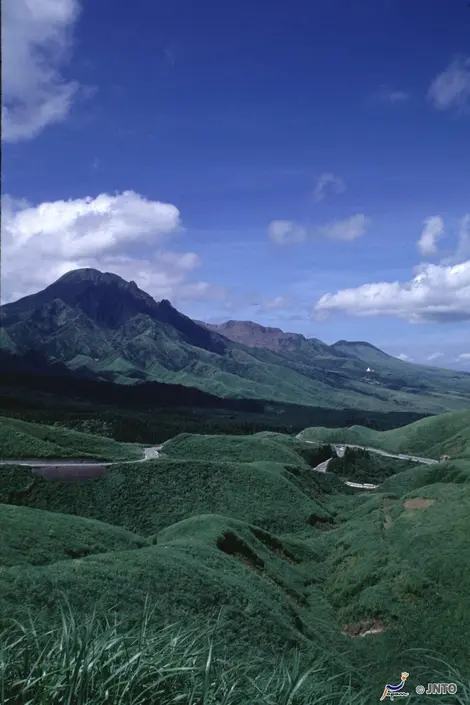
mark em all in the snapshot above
pixel 262 374
pixel 148 496
pixel 210 563
pixel 35 537
pixel 22 439
pixel 274 447
pixel 431 437
pixel 237 536
pixel 282 590
pixel 419 588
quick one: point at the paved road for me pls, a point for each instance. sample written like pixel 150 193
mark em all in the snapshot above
pixel 77 469
pixel 340 449
pixel 89 468
pixel 149 454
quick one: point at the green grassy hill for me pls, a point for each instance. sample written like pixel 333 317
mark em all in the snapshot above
pixel 35 537
pixel 275 447
pixel 294 565
pixel 399 560
pixel 446 434
pixel 147 497
pixel 22 439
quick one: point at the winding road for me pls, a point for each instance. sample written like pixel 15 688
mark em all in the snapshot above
pixel 149 454
pixel 77 469
pixel 340 448
pixel 84 469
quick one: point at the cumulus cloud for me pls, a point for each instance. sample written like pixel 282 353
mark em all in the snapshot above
pixel 123 233
pixel 391 96
pixel 327 182
pixel 36 40
pixel 283 232
pixel 348 229
pixel 433 230
pixel 451 88
pixel 404 357
pixel 434 356
pixel 436 293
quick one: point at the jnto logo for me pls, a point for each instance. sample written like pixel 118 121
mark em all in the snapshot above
pixel 396 691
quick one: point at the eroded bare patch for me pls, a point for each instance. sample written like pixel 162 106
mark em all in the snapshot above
pixel 418 503
pixel 233 545
pixel 364 627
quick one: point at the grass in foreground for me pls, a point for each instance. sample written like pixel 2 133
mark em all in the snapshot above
pixel 93 662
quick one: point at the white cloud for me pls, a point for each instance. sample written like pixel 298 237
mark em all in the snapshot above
pixel 122 233
pixel 391 95
pixel 327 182
pixel 463 249
pixel 451 88
pixel 404 357
pixel 433 230
pixel 36 39
pixel 463 357
pixel 275 303
pixel 434 356
pixel 436 293
pixel 284 232
pixel 348 229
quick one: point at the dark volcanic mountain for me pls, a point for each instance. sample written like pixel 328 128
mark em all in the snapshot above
pixel 107 328
pixel 107 300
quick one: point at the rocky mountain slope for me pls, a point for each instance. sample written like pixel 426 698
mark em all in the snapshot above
pixel 256 336
pixel 97 322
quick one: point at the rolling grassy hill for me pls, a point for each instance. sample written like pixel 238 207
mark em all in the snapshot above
pixel 239 535
pixel 101 326
pixel 36 537
pixel 146 497
pixel 21 439
pixel 446 434
pixel 274 447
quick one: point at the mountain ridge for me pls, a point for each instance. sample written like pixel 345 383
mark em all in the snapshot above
pixel 89 320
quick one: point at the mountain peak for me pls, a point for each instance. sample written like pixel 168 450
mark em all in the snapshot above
pixel 94 276
pixel 88 274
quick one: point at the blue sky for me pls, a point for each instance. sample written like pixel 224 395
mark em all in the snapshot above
pixel 304 165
